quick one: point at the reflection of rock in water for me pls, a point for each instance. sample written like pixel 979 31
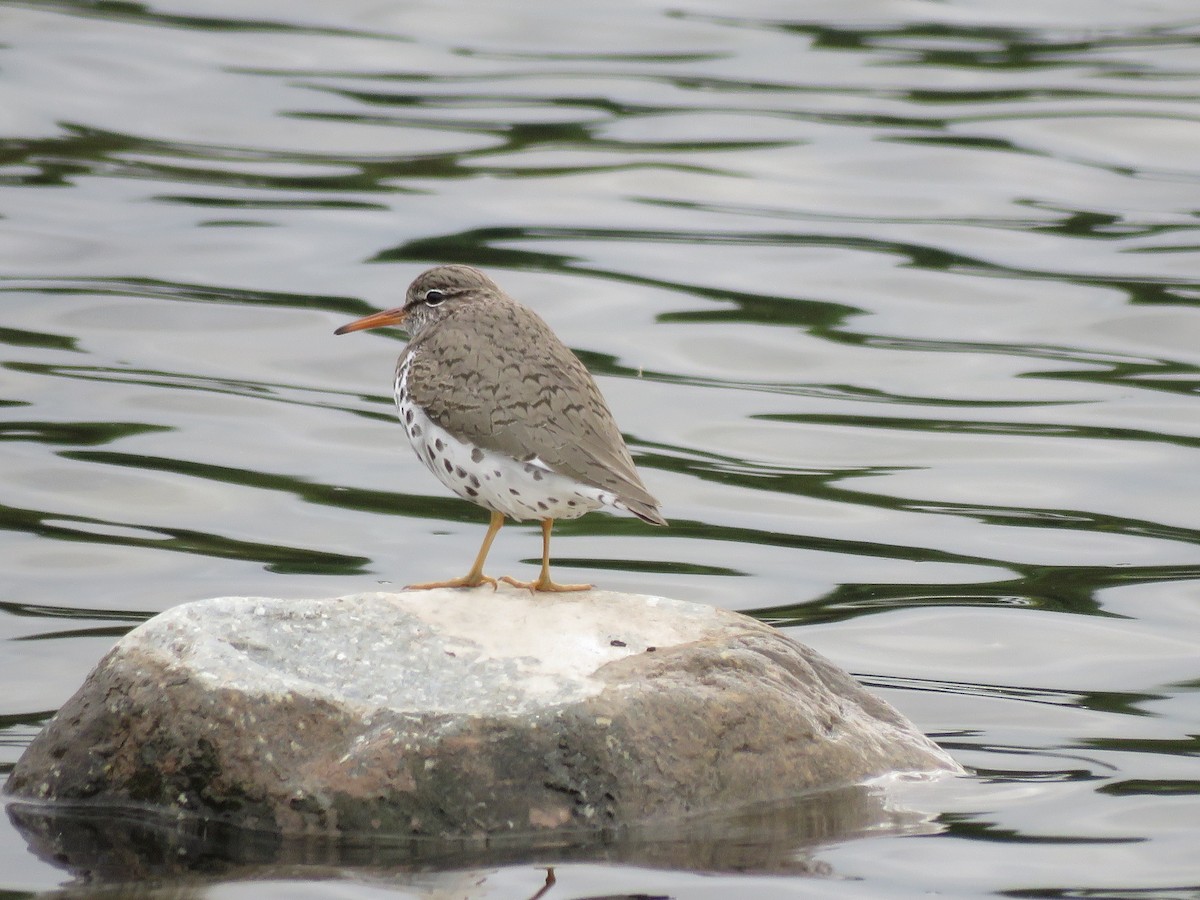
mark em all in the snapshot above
pixel 107 845
pixel 99 845
pixel 778 837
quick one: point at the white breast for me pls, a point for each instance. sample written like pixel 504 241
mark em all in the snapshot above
pixel 495 481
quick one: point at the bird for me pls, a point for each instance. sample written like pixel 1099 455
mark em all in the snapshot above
pixel 504 415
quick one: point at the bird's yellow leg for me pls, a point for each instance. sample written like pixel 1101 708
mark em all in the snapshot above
pixel 545 582
pixel 475 577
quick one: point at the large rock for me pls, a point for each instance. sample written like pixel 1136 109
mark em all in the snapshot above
pixel 461 713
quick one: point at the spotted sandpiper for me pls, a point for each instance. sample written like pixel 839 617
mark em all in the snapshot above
pixel 498 408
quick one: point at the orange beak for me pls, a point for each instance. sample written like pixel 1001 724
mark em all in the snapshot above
pixel 375 320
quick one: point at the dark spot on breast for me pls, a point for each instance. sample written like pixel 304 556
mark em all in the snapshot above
pixel 448 465
pixel 616 643
pixel 476 455
pixel 416 431
pixel 460 472
pixel 570 503
pixel 438 443
pixel 542 506
pixel 429 453
pixel 474 481
pixel 514 492
pixel 408 416
pixel 551 499
pixel 537 474
pixel 472 492
pixel 498 474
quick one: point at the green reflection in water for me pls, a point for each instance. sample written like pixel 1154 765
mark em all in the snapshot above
pixel 1069 589
pixel 15 337
pixel 283 560
pixel 86 434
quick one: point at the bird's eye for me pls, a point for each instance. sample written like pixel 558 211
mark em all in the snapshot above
pixel 434 298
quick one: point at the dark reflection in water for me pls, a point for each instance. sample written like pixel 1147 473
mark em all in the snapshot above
pixel 274 557
pixel 1057 589
pixel 105 845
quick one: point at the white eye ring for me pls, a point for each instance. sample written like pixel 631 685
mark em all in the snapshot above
pixel 434 297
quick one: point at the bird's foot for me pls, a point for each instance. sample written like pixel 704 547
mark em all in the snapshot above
pixel 545 584
pixel 466 581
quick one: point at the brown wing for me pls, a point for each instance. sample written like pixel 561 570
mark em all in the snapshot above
pixel 510 385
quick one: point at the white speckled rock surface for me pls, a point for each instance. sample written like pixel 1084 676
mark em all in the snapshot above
pixel 452 712
pixel 428 651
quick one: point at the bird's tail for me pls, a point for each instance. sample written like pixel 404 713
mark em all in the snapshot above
pixel 644 511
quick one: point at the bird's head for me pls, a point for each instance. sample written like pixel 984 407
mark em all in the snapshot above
pixel 433 296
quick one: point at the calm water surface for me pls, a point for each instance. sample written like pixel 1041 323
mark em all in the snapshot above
pixel 897 303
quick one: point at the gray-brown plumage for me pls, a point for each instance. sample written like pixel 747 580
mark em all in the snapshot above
pixel 503 413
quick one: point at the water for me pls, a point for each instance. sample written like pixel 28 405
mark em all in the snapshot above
pixel 897 304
